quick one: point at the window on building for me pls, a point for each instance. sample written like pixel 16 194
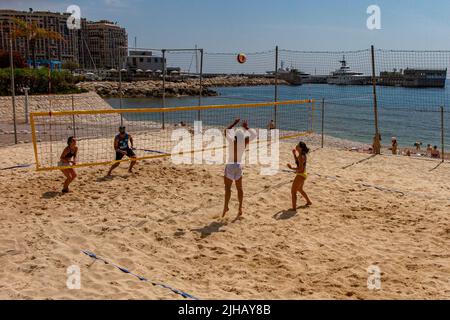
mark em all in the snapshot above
pixel 141 59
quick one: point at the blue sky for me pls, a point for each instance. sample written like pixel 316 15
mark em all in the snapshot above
pixel 256 25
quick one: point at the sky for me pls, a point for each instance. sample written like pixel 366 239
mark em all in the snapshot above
pixel 259 25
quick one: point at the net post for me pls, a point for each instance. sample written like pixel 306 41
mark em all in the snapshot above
pixel 13 89
pixel 163 86
pixel 25 90
pixel 201 84
pixel 50 131
pixel 120 87
pixel 73 117
pixel 276 87
pixel 323 120
pixel 442 134
pixel 33 138
pixel 375 104
pixel 313 105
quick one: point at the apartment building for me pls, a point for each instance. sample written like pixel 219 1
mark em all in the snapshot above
pixel 97 45
pixel 107 43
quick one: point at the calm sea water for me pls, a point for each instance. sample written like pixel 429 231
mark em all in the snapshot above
pixel 407 113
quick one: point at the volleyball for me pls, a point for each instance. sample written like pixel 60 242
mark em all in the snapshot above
pixel 241 58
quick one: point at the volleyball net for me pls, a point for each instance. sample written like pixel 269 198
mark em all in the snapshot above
pixel 152 129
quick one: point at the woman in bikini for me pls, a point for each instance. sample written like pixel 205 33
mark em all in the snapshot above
pixel 68 158
pixel 300 174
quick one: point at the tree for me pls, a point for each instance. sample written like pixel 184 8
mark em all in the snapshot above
pixel 70 65
pixel 32 33
pixel 19 62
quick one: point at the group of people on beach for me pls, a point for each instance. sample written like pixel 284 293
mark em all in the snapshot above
pixel 432 152
pixel 238 140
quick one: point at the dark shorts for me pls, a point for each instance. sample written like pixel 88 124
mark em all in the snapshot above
pixel 130 154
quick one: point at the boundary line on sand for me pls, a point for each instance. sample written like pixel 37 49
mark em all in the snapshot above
pixel 176 291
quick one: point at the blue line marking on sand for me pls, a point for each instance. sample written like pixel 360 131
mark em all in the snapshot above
pixel 176 291
pixel 17 167
pixel 155 151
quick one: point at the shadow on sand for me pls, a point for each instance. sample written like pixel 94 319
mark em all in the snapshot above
pixel 436 166
pixel 50 194
pixel 105 178
pixel 287 214
pixel 213 227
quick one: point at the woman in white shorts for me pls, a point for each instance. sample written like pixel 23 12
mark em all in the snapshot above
pixel 237 143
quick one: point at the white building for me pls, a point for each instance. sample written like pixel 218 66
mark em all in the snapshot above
pixel 145 61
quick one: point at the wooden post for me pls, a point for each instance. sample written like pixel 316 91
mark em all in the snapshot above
pixel 377 145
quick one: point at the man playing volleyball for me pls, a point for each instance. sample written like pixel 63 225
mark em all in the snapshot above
pixel 237 142
pixel 122 148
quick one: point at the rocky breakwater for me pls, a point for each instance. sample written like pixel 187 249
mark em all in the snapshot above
pixel 240 81
pixel 150 88
pixel 178 88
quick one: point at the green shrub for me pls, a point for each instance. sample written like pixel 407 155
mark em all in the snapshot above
pixel 38 81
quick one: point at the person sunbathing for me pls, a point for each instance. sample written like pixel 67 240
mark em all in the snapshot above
pixel 394 146
pixel 435 154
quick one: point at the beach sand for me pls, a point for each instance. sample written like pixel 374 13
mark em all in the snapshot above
pixel 162 222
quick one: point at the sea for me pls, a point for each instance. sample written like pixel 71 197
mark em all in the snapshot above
pixel 409 114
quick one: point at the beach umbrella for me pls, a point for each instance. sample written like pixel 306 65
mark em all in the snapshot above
pixel 139 70
pixel 149 71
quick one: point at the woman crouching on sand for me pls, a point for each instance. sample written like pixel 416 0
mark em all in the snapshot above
pixel 300 174
pixel 68 158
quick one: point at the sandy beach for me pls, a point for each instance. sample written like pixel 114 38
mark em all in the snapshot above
pixel 163 222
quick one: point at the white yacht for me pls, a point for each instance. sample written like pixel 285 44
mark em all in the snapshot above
pixel 345 76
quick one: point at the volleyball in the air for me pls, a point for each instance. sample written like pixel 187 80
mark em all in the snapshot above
pixel 241 58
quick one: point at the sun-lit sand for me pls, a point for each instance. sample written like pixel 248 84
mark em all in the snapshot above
pixel 162 222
